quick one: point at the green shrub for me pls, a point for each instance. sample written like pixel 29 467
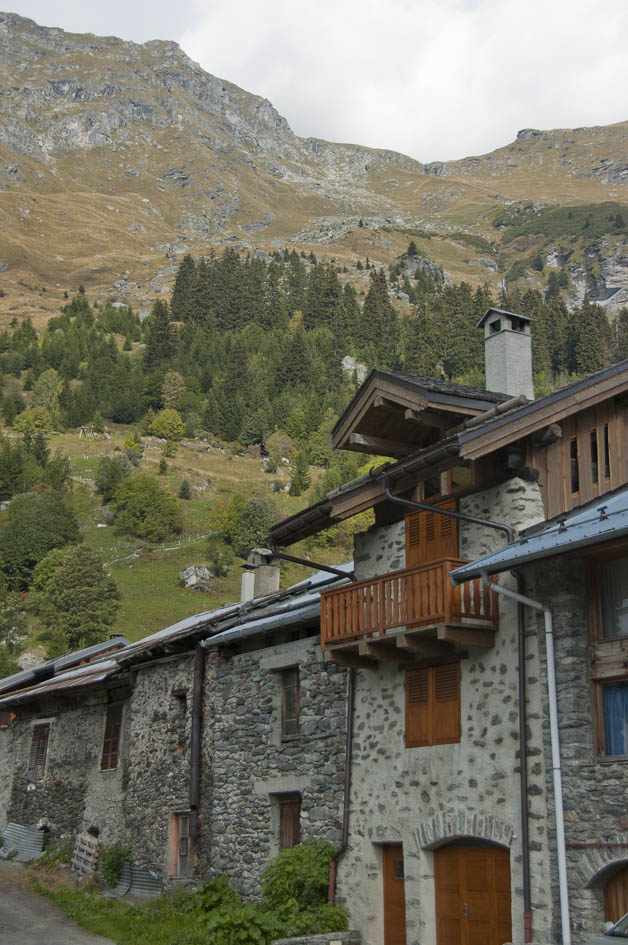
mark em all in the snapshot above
pixel 241 924
pixel 167 424
pixel 300 873
pixel 215 894
pixel 145 510
pixel 112 859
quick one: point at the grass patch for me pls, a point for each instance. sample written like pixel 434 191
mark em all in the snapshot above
pixel 589 221
pixel 167 921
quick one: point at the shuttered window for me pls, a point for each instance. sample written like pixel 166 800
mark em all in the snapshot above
pixel 430 536
pixel 111 741
pixel 289 820
pixel 433 705
pixel 39 750
pixel 290 698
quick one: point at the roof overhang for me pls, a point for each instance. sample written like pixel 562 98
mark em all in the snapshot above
pixel 395 415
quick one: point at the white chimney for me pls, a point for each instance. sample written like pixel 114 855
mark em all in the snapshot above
pixel 507 353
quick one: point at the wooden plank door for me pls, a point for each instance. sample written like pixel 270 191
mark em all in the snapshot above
pixel 472 895
pixel 616 896
pixel 394 896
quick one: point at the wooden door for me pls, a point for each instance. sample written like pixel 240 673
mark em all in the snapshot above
pixel 394 896
pixel 616 896
pixel 472 895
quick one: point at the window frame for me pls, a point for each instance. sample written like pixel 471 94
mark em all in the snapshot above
pixel 608 655
pixel 434 726
pixel 116 738
pixel 290 721
pixel 290 802
pixel 33 763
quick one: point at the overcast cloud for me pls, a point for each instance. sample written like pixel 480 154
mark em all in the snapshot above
pixel 437 79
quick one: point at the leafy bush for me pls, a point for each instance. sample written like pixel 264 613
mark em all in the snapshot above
pixel 300 873
pixel 112 859
pixel 33 525
pixel 185 491
pixel 241 924
pixel 167 424
pixel 33 418
pixel 145 510
pixel 110 473
pixel 253 525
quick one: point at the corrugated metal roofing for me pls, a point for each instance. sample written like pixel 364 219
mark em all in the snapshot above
pixel 603 520
pixel 52 667
pixel 28 842
pixel 73 679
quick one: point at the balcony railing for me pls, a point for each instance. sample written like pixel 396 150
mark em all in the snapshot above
pixel 413 598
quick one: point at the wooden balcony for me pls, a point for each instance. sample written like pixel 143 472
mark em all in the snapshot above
pixel 407 614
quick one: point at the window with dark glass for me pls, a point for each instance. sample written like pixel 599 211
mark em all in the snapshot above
pixel 111 741
pixel 609 666
pixel 39 751
pixel 290 699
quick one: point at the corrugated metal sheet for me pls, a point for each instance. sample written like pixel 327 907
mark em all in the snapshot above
pixel 603 520
pixel 53 667
pixel 29 842
pixel 76 678
pixel 136 880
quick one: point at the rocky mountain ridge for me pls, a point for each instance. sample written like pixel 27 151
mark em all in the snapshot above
pixel 116 158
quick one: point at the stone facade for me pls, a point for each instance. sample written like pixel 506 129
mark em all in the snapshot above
pixel 594 789
pixel 425 797
pixel 252 766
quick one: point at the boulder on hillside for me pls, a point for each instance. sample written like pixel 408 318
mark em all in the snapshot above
pixel 196 576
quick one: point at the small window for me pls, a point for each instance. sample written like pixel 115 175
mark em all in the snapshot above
pixel 612 582
pixel 594 459
pixel 111 741
pixel 39 752
pixel 289 820
pixel 615 716
pixel 574 468
pixel 290 699
pixel 433 706
pixel 607 453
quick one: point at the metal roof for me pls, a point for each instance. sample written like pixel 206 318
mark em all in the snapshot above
pixel 52 667
pixel 601 521
pixel 296 603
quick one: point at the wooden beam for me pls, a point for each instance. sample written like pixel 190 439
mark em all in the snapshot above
pixel 377 445
pixel 379 401
pixel 421 645
pixel 382 651
pixel 348 658
pixel 484 639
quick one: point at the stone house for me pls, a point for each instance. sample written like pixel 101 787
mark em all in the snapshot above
pixel 206 747
pixel 458 832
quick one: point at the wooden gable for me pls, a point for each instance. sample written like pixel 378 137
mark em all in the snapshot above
pixel 396 416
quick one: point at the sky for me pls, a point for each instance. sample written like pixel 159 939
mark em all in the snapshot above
pixel 435 79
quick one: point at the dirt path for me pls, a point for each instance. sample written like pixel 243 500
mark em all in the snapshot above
pixel 29 919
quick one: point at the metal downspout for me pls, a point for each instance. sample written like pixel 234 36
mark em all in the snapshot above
pixel 333 863
pixel 523 716
pixel 555 742
pixel 195 744
pixel 523 766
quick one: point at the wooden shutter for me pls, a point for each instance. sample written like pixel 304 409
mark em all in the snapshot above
pixel 417 708
pixel 430 536
pixel 446 704
pixel 289 821
pixel 39 750
pixel 111 741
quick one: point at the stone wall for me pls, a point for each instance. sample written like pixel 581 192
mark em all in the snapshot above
pixel 157 759
pixel 594 790
pixel 75 793
pixel 424 797
pixel 330 938
pixel 252 765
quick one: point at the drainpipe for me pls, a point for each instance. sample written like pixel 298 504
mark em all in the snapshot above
pixel 333 863
pixel 556 766
pixel 195 744
pixel 523 724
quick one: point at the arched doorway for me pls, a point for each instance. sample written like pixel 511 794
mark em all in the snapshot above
pixel 616 896
pixel 472 885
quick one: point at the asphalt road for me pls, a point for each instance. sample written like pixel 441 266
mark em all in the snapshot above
pixel 29 919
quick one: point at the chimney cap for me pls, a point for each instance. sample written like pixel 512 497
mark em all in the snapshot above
pixel 501 311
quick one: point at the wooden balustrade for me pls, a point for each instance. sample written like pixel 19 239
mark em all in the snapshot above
pixel 416 597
